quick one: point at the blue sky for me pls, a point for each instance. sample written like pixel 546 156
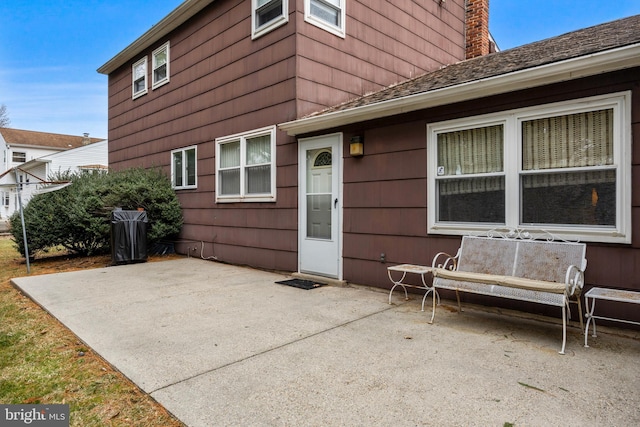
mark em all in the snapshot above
pixel 50 49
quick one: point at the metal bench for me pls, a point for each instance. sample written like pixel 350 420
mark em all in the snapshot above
pixel 515 266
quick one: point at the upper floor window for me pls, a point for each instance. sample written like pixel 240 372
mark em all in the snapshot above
pixel 139 73
pixel 245 165
pixel 183 168
pixel 160 66
pixel 563 168
pixel 5 198
pixel 19 157
pixel 326 14
pixel 267 15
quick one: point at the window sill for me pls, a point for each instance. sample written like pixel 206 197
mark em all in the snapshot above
pixel 246 199
pixel 338 31
pixel 267 28
pixel 139 94
pixel 160 83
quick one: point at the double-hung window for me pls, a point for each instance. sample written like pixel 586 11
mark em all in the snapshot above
pixel 139 76
pixel 326 14
pixel 160 66
pixel 267 15
pixel 563 168
pixel 245 165
pixel 184 173
pixel 19 157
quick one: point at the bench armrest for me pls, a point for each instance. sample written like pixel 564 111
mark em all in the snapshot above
pixel 574 279
pixel 446 261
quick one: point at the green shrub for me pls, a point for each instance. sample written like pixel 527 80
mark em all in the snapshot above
pixel 77 217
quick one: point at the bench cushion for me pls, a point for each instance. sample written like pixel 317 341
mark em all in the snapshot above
pixel 493 279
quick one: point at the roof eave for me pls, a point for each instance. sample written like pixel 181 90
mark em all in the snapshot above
pixel 38 147
pixel 33 163
pixel 574 68
pixel 169 23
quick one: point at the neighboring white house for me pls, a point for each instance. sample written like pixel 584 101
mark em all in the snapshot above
pixel 36 156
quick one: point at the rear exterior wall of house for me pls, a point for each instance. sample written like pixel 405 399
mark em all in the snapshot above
pixel 222 82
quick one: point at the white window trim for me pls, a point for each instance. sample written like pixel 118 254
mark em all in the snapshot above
pixel 271 197
pixel 313 20
pixel 138 94
pixel 257 32
pixel 621 104
pixel 184 168
pixel 157 84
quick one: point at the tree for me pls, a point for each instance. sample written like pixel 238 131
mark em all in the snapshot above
pixel 4 116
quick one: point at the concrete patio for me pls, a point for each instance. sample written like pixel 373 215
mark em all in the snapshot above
pixel 224 345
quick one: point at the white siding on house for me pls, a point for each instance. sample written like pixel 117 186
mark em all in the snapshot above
pixel 72 160
pixel 31 153
pixel 41 169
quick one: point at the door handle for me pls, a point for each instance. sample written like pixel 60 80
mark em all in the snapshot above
pixel 335 203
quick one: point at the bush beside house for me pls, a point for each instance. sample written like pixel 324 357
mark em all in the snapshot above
pixel 77 217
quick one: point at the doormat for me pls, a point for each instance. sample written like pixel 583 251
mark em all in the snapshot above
pixel 302 284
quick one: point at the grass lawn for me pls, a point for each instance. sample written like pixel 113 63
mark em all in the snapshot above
pixel 41 361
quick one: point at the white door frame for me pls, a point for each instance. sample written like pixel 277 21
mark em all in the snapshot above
pixel 334 140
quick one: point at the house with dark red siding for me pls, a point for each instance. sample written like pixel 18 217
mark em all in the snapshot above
pixel 201 94
pixel 324 137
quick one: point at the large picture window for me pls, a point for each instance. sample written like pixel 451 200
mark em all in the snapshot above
pixel 245 165
pixel 564 168
pixel 184 168
pixel 326 14
pixel 267 15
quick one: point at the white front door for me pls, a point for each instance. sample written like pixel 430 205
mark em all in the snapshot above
pixel 319 201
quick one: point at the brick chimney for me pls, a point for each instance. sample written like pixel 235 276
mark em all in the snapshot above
pixel 477 29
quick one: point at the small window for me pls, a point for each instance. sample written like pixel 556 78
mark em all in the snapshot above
pixel 245 167
pixel 139 73
pixel 267 15
pixel 183 168
pixel 326 14
pixel 160 66
pixel 19 157
pixel 5 199
pixel 563 168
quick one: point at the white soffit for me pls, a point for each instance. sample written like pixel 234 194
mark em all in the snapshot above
pixel 570 69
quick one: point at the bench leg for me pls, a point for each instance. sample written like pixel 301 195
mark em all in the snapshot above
pixel 458 298
pixel 580 314
pixel 564 328
pixel 433 309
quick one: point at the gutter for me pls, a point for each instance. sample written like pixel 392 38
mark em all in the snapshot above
pixel 570 69
pixel 169 23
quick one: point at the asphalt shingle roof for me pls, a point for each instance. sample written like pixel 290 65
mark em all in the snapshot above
pixel 43 139
pixel 599 38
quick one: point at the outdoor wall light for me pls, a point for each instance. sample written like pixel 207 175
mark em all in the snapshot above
pixel 356 146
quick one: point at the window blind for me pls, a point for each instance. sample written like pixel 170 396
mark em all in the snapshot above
pixel 573 140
